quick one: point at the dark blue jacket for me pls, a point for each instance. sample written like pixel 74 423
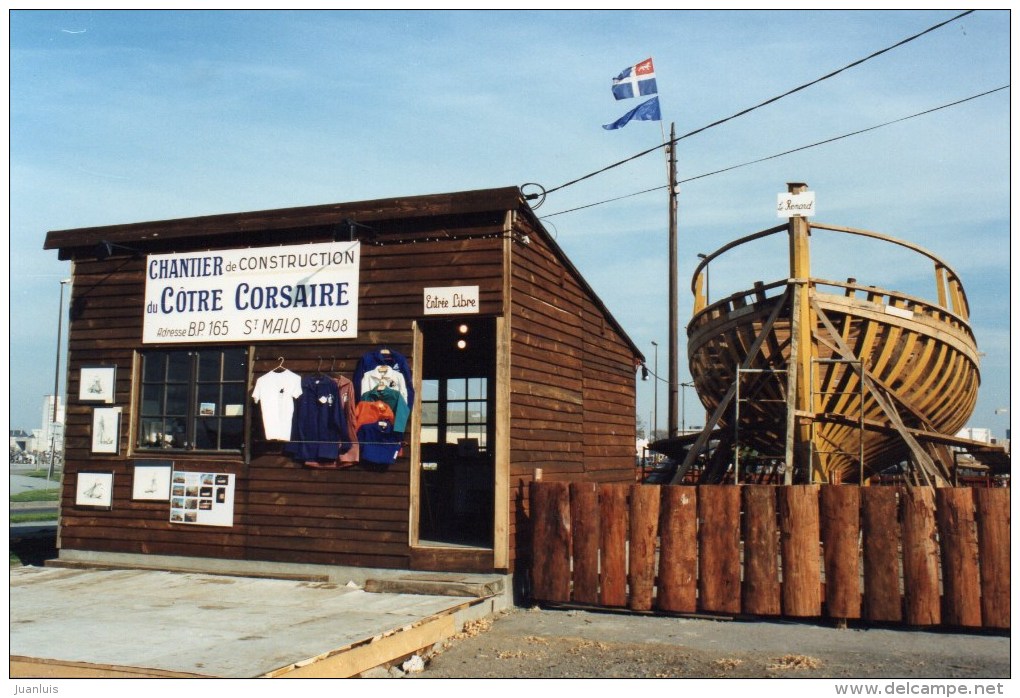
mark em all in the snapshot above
pixel 319 423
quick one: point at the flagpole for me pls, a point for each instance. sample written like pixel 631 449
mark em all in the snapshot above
pixel 674 359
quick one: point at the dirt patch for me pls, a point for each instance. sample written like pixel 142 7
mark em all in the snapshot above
pixel 559 643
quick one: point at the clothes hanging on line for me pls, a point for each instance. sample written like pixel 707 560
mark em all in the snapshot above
pixel 394 361
pixel 395 401
pixel 384 378
pixel 335 422
pixel 275 393
pixel 380 443
pixel 319 430
pixel 348 401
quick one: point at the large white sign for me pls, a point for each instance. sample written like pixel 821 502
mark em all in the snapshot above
pixel 450 300
pixel 247 295
pixel 790 205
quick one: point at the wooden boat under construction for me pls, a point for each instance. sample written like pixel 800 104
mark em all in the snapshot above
pixel 830 381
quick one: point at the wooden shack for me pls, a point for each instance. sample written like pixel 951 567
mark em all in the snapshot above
pixel 515 365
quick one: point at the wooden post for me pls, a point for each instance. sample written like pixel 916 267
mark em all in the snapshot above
pixel 883 601
pixel 940 285
pixel 804 324
pixel 613 512
pixel 800 540
pixel 644 530
pixel 501 442
pixel 584 523
pixel 959 546
pixel 719 547
pixel 678 555
pixel 993 542
pixel 920 557
pixel 841 530
pixel 550 511
pixel 761 590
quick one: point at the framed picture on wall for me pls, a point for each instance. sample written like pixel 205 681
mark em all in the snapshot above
pixel 98 384
pixel 152 480
pixel 94 490
pixel 106 430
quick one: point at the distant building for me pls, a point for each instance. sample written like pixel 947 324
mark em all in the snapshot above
pixel 20 439
pixel 982 434
pixel 50 434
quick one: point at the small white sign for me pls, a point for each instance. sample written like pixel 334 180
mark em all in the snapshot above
pixel 790 205
pixel 450 300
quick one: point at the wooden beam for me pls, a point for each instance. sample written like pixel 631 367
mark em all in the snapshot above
pixel 33 668
pixel 501 523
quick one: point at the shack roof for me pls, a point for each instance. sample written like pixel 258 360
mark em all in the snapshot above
pixel 201 228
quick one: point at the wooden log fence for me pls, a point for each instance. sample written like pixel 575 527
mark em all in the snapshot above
pixel 912 556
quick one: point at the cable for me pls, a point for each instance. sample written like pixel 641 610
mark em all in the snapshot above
pixel 605 201
pixel 785 152
pixel 766 102
pixel 845 135
pixel 832 74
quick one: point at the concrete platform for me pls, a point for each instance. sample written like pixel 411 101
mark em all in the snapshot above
pixel 68 622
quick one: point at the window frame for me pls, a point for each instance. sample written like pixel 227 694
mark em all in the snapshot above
pixel 196 385
pixel 465 426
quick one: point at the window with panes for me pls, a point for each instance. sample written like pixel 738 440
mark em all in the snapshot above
pixel 193 399
pixel 454 409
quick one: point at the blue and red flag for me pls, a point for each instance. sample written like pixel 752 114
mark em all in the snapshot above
pixel 635 81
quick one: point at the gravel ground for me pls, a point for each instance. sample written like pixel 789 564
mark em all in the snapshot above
pixel 561 643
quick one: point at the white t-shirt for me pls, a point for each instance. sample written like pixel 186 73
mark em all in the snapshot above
pixel 276 392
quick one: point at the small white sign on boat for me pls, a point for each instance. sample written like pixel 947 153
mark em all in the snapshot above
pixel 790 205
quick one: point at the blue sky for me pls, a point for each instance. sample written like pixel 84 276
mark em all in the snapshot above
pixel 119 117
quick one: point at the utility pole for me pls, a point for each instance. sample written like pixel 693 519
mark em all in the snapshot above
pixel 655 392
pixel 56 384
pixel 674 357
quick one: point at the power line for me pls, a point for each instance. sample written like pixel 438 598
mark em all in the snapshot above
pixel 766 102
pixel 785 152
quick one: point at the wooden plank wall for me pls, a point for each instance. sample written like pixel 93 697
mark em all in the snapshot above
pixel 283 511
pixel 572 384
pixel 609 390
pixel 782 566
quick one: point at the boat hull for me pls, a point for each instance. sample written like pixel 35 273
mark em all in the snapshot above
pixel 919 357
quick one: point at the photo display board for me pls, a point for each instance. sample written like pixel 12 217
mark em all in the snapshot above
pixel 205 499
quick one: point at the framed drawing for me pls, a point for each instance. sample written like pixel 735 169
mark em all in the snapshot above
pixel 106 430
pixel 152 480
pixel 94 490
pixel 98 384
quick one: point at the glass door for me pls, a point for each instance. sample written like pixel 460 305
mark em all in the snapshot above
pixel 456 486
